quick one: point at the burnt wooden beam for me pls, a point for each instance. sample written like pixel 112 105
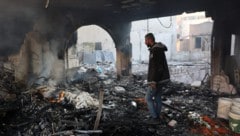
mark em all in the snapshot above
pixel 101 94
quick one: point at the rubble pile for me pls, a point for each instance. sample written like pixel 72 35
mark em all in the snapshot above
pixel 41 111
pixel 34 116
pixel 9 89
pixel 7 84
pixel 127 118
pixel 73 109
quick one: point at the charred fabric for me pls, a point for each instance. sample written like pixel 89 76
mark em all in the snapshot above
pixel 99 104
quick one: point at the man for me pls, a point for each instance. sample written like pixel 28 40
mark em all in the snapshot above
pixel 158 75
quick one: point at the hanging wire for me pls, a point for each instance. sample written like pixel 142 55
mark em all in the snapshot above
pixel 163 24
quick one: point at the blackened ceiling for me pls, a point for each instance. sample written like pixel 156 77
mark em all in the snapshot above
pixel 18 16
pixel 133 9
pixel 114 9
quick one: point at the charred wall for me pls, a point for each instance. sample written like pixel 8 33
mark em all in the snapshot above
pixel 16 19
pixel 226 24
pixel 40 42
pixel 41 57
pixel 232 62
pixel 39 32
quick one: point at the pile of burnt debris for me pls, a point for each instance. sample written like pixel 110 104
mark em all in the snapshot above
pixel 106 106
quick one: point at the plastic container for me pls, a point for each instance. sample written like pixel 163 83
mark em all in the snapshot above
pixel 235 109
pixel 224 105
pixel 234 122
pixel 236 102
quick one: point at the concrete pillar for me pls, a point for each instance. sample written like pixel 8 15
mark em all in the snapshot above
pixel 124 55
pixel 216 51
pixel 220 47
pixel 120 33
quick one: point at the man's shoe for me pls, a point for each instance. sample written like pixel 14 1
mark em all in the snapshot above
pixel 153 121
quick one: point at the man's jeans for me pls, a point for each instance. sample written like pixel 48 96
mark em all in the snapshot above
pixel 154 101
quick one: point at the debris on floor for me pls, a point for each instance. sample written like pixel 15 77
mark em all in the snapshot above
pixel 196 84
pixel 73 109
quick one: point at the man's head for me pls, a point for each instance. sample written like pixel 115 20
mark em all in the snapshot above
pixel 149 39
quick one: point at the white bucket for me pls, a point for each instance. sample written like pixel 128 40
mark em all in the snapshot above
pixel 224 105
pixel 234 122
pixel 235 109
pixel 236 102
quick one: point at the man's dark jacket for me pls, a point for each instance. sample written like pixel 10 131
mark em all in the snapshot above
pixel 158 68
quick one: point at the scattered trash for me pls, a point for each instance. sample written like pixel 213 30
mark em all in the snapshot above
pixel 172 123
pixel 196 84
pixel 119 89
pixel 81 100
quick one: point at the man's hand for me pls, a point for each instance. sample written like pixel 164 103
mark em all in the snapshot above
pixel 153 85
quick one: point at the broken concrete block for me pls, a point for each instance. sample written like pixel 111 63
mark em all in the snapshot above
pixel 172 123
pixel 119 89
pixel 196 84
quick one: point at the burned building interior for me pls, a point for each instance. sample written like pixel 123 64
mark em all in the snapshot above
pixel 38 95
